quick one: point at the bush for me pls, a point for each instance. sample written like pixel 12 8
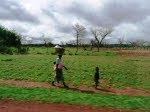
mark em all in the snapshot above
pixel 70 54
pixel 39 52
pixel 23 50
pixel 9 38
pixel 53 53
pixel 5 50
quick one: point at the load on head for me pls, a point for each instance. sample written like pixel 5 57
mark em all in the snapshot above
pixel 59 50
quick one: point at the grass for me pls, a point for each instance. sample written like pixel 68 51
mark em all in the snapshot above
pixel 120 71
pixel 74 97
pixel 72 51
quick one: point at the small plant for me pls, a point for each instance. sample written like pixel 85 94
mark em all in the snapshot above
pixel 39 52
pixel 53 53
pixel 6 60
pixel 70 54
pixel 23 50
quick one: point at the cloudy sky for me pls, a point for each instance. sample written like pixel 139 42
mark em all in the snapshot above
pixel 54 18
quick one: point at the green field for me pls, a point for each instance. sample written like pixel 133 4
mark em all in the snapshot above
pixel 118 71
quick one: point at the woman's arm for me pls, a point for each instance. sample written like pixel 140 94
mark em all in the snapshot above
pixel 65 67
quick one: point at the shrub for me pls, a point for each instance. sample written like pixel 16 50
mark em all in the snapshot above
pixel 5 50
pixel 23 50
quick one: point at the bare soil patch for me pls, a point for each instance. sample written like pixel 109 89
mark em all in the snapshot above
pixel 22 106
pixel 109 90
pixel 134 52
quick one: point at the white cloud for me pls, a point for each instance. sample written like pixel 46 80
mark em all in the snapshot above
pixel 54 18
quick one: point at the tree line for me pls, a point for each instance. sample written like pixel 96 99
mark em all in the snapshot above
pixel 10 39
pixel 99 35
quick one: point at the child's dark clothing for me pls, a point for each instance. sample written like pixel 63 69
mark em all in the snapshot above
pixel 96 77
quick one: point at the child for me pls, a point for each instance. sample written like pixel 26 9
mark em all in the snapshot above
pixel 54 65
pixel 55 77
pixel 96 77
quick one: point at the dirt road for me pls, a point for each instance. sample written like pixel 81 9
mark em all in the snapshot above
pixel 21 106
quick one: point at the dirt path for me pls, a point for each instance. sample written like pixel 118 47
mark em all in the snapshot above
pixel 125 91
pixel 21 106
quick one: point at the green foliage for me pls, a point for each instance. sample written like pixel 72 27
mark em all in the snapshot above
pixel 9 38
pixel 72 51
pixel 23 50
pixel 74 97
pixel 5 50
pixel 119 71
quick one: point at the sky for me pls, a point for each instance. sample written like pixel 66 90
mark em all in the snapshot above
pixel 53 19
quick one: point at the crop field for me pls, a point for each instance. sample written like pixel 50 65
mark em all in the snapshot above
pixel 119 71
pixel 116 71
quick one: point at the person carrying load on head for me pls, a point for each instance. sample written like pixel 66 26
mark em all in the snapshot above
pixel 59 67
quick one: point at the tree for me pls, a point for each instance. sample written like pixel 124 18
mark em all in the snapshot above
pixel 136 43
pixel 62 43
pixel 140 42
pixel 9 38
pixel 121 41
pixel 71 43
pixel 79 32
pixel 47 42
pixel 100 34
pixel 92 44
pixel 30 42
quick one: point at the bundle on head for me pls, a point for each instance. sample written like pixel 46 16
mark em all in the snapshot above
pixel 59 50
